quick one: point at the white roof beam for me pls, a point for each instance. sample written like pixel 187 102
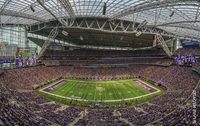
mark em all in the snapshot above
pixel 67 6
pixel 4 5
pixel 20 14
pixel 151 5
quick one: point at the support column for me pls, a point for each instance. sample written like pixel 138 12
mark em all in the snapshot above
pixel 26 39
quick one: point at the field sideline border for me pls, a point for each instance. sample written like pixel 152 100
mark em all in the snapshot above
pixel 119 100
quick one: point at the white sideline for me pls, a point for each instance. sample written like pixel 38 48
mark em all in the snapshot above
pixel 127 99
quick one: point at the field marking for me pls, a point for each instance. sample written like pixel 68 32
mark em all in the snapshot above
pixel 118 100
pixel 145 84
pixel 53 84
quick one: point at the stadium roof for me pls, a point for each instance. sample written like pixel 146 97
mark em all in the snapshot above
pixel 176 16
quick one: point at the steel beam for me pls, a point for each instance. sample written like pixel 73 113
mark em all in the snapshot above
pixel 4 6
pixel 197 13
pixel 52 35
pixel 20 14
pixel 152 5
pixel 163 45
pixel 108 26
pixel 184 26
pixel 176 22
pixel 67 6
pixel 70 44
pixel 42 4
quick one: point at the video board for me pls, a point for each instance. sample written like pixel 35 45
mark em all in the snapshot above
pixel 26 57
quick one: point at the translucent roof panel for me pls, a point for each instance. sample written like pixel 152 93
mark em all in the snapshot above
pixel 160 13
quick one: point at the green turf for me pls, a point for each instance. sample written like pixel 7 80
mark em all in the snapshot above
pixel 100 91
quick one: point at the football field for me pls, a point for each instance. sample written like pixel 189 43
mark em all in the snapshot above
pixel 84 93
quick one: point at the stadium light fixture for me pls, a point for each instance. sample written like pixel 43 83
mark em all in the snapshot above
pixel 65 33
pixel 2 46
pixel 138 34
pixel 122 38
pixel 81 38
pixel 63 22
pixel 27 27
pixel 144 23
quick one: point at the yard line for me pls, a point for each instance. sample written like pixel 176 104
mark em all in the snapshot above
pixel 113 90
pixel 118 90
pixel 95 93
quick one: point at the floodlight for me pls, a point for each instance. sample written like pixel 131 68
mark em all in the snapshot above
pixel 65 33
pixel 81 38
pixel 138 34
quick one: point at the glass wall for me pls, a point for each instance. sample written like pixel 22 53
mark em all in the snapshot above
pixel 13 37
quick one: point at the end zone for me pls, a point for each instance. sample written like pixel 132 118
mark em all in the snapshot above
pixel 146 86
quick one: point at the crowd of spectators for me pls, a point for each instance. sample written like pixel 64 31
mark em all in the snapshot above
pixel 110 62
pixel 180 82
pixel 86 57
pixel 99 54
pixel 185 51
pixel 196 67
pixel 19 102
pixel 21 105
pixel 13 113
pixel 101 118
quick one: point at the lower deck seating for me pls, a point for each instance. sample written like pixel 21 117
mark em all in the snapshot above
pixel 20 105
